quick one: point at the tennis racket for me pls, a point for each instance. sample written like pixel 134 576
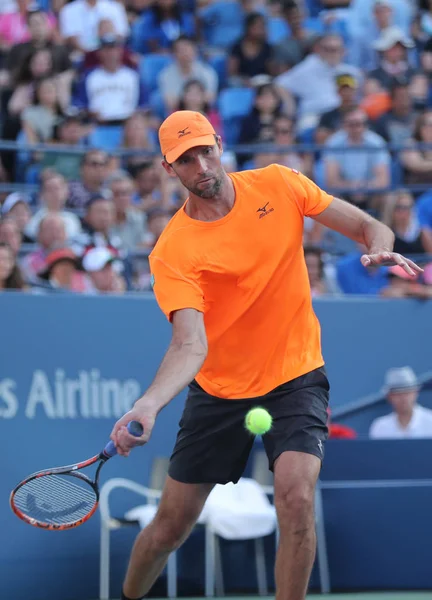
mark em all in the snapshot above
pixel 63 497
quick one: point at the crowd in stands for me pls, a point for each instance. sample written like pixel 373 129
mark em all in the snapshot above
pixel 340 90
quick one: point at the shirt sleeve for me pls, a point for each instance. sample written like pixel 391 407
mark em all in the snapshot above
pixel 311 199
pixel 69 24
pixel 173 289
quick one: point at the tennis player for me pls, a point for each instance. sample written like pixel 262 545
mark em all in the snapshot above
pixel 229 273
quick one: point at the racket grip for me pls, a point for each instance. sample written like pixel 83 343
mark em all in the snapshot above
pixel 134 427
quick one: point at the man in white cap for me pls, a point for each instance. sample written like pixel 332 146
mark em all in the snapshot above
pixel 393 46
pixel 408 419
pixel 16 207
pixel 98 264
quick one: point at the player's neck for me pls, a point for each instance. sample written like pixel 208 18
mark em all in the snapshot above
pixel 212 209
pixel 405 418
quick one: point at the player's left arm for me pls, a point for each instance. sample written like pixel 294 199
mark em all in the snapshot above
pixel 364 229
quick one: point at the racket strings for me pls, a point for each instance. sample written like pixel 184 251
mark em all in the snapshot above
pixel 55 499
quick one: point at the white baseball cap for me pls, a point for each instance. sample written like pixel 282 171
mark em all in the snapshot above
pixel 11 201
pixel 97 258
pixel 390 37
pixel 400 379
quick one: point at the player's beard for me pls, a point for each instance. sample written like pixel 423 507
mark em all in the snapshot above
pixel 210 191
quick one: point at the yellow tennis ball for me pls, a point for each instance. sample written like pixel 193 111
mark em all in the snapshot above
pixel 258 421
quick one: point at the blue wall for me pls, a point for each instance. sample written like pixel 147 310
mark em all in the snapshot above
pixel 69 366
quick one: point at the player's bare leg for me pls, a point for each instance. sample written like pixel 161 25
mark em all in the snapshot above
pixel 295 476
pixel 180 506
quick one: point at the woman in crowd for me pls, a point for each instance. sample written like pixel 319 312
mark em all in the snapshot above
pixel 137 136
pixel 410 238
pixel 194 98
pixel 40 118
pixel 257 126
pixel 10 274
pixel 417 162
pixel 252 54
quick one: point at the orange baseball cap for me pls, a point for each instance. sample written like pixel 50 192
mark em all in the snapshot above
pixel 182 130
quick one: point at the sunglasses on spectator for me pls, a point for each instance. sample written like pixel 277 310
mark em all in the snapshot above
pixel 403 207
pixel 283 131
pixel 96 163
pixel 332 48
pixel 427 124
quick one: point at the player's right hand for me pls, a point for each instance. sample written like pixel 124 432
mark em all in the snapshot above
pixel 123 440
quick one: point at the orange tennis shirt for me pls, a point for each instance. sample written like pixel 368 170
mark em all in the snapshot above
pixel 246 272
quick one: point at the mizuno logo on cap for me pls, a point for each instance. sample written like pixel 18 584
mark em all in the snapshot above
pixel 183 132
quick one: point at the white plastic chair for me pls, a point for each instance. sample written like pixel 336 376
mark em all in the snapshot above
pixel 262 474
pixel 152 494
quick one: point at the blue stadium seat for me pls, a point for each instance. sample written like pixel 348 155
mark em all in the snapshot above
pixel 396 171
pixel 157 105
pixel 150 67
pixel 234 104
pixel 219 64
pixel 277 30
pixel 106 137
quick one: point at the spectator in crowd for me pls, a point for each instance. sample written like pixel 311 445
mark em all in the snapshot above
pixel 93 174
pixel 337 431
pixel 410 237
pixel 153 188
pixel 257 126
pixel 362 53
pixel 79 22
pixel 319 69
pixel 408 420
pixel 14 25
pixel 69 131
pixel 295 47
pixel 417 162
pixel 401 285
pixel 186 66
pixel 97 223
pixel 129 223
pixel 10 234
pixel 61 272
pixel 194 98
pixel 157 220
pixel 40 118
pixel 221 23
pixel 112 92
pixel 396 125
pixel 354 278
pixel 92 59
pixel 137 135
pixel 98 263
pixel 318 280
pixel 331 121
pixel 160 26
pixel 16 207
pixel 40 27
pixel 252 54
pixel 393 46
pixel 284 135
pixel 360 13
pixel 35 67
pixel 10 274
pixel 357 171
pixel 51 234
pixel 52 200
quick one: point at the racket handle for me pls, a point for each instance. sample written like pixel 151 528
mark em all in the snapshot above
pixel 134 427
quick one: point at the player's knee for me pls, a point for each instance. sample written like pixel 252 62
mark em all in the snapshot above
pixel 170 531
pixel 295 504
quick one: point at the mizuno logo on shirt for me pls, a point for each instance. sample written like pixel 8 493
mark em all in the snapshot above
pixel 264 211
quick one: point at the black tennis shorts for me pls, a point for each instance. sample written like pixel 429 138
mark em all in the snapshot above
pixel 213 444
